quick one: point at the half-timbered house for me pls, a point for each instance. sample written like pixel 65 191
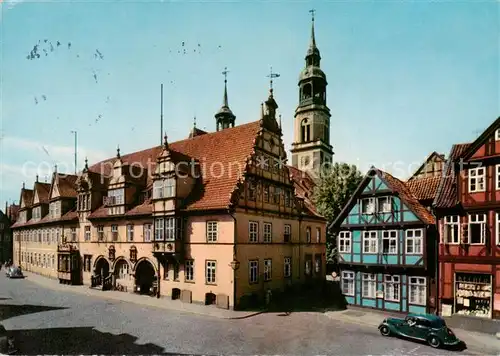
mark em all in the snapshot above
pixel 468 210
pixel 386 243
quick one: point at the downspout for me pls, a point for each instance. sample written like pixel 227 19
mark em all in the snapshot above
pixel 234 256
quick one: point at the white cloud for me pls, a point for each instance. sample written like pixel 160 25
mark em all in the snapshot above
pixel 9 4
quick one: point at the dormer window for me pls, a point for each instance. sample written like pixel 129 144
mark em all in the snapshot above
pixel 116 197
pixel 37 212
pixel 164 188
pixel 54 210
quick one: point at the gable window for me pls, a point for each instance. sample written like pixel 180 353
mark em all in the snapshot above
pixel 287 263
pixel 87 233
pixel 210 269
pixel 159 229
pixel 347 283
pixel 345 242
pixel 384 204
pixel 114 232
pixel 268 232
pixel 476 179
pixel 418 290
pixel 390 242
pixel 253 231
pixel 391 288
pixel 189 270
pixel 100 233
pixel 212 231
pixel 477 228
pixel 147 232
pixel 451 233
pixel 253 271
pixel 370 242
pixel 368 285
pixel 308 235
pixel 130 232
pixel 414 241
pixel 170 229
pixel 268 263
pixel 368 206
pixel 287 234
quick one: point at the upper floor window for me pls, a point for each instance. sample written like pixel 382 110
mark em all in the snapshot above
pixel 170 229
pixel 100 233
pixel 287 233
pixel 370 242
pixel 130 232
pixel 37 213
pixel 414 241
pixel 212 231
pixel 344 242
pixel 308 235
pixel 147 232
pixel 268 232
pixel 498 228
pixel 159 229
pixel 318 235
pixel 253 231
pixel 87 233
pixel 114 232
pixel 497 135
pixel 287 264
pixel 116 197
pixel 476 179
pixel 451 227
pixel 84 201
pixel 268 263
pixel 164 188
pixel 368 206
pixel 390 242
pixel 497 177
pixel 384 204
pixel 477 228
pixel 73 234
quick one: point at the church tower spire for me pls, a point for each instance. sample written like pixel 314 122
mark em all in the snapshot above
pixel 311 149
pixel 224 117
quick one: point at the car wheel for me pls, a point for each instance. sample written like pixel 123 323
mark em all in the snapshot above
pixel 384 330
pixel 434 342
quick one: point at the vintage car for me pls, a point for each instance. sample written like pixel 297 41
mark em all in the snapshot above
pixel 8 271
pixel 424 327
pixel 15 272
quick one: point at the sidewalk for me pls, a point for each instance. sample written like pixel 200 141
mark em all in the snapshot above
pixel 163 303
pixel 477 343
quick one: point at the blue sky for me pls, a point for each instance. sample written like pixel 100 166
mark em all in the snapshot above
pixel 405 78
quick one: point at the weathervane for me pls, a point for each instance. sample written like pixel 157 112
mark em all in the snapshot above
pixel 225 74
pixel 312 11
pixel 271 76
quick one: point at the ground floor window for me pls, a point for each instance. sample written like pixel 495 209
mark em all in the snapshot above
pixel 369 285
pixel 391 288
pixel 473 294
pixel 418 290
pixel 348 283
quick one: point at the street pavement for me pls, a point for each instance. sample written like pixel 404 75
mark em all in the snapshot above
pixel 47 321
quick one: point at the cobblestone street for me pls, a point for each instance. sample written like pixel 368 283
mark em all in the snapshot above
pixel 46 321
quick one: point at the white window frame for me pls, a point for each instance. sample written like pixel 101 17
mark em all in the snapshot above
pixel 345 242
pixel 268 232
pixel 497 176
pixel 287 267
pixel 348 279
pixel 417 290
pixel 477 176
pixel 100 233
pixel 268 269
pixel 147 232
pixel 411 239
pixel 370 237
pixel 73 234
pixel 449 224
pixel 392 288
pixel 370 281
pixel 159 229
pixel 189 270
pixel 253 271
pixel 370 206
pixel 386 206
pixel 158 189
pixel 170 229
pixel 212 231
pixel 497 135
pixel 210 272
pixel 130 233
pixel 87 233
pixel 390 236
pixel 477 219
pixel 253 231
pixel 169 188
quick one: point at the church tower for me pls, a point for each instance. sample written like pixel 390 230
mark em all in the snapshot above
pixel 224 117
pixel 311 147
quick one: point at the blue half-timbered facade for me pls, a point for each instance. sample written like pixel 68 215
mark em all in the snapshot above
pixel 386 247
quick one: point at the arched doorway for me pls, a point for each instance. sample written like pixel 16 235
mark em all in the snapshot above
pixel 144 277
pixel 101 267
pixel 121 272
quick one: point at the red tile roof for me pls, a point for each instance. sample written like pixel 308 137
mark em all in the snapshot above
pixel 304 188
pixel 66 184
pixel 447 194
pixel 424 188
pixel 406 195
pixel 27 197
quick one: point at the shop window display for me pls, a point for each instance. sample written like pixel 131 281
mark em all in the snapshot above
pixel 473 294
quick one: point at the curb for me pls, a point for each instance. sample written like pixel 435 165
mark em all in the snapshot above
pixel 104 296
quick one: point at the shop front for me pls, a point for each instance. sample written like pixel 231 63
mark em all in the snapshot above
pixel 68 264
pixel 473 294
